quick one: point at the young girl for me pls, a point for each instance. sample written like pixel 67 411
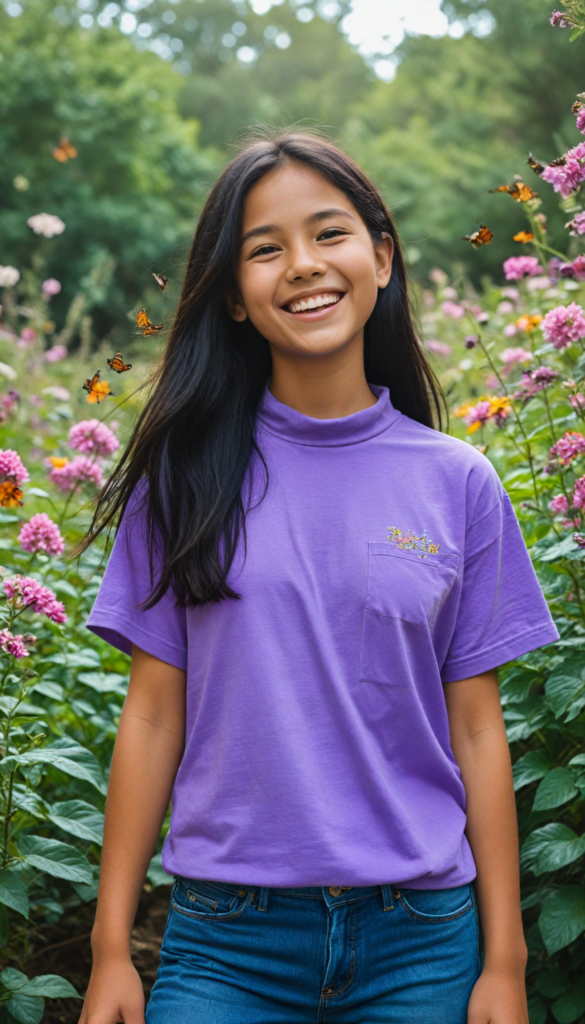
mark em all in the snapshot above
pixel 316 586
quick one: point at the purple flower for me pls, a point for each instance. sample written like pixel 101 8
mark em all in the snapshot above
pixel 51 287
pixel 471 341
pixel 92 437
pixel 577 225
pixel 452 309
pixel 11 467
pixel 41 534
pixel 570 174
pixel 535 381
pixel 80 470
pixel 568 448
pixel 558 20
pixel 579 267
pixel 559 504
pixel 579 539
pixel 12 644
pixel 26 592
pixel 564 325
pixel 581 120
pixel 56 353
pixel 517 267
pixel 516 355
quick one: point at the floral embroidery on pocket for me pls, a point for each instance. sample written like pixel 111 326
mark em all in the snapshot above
pixel 410 541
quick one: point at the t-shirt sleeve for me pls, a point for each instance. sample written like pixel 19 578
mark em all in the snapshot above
pixel 117 616
pixel 502 611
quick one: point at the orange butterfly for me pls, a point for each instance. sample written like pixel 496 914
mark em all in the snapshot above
pixel 64 151
pixel 145 326
pixel 97 389
pixel 118 364
pixel 10 494
pixel 520 192
pixel 524 237
pixel 161 280
pixel 481 237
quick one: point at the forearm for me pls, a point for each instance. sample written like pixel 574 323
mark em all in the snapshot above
pixel 492 831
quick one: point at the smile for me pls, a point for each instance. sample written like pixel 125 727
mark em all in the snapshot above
pixel 321 301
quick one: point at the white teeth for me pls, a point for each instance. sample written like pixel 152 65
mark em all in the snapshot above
pixel 314 302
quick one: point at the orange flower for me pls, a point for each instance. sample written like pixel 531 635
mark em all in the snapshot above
pixel 524 237
pixel 58 461
pixel 10 494
pixel 462 410
pixel 528 323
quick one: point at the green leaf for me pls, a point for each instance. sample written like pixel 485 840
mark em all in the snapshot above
pixel 536 1011
pixel 8 517
pixel 562 918
pixel 26 1009
pixel 38 492
pixel 533 766
pixel 79 819
pixel 51 986
pixel 551 847
pixel 565 688
pixel 64 587
pixel 556 788
pixel 72 760
pixel 55 858
pixel 156 874
pixel 553 983
pixel 24 709
pixel 522 720
pixel 577 760
pixel 105 682
pixel 12 892
pixel 571 1005
pixel 575 33
pixel 50 689
pixel 75 659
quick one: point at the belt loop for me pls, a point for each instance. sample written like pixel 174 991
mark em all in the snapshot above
pixel 262 903
pixel 387 898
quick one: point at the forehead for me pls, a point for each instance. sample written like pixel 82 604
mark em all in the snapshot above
pixel 289 195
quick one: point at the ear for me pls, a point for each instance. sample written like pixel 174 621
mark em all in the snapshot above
pixel 235 307
pixel 384 255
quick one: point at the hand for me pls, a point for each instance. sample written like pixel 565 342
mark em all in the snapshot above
pixel 114 994
pixel 499 997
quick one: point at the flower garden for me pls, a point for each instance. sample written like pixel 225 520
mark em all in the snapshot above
pixel 511 358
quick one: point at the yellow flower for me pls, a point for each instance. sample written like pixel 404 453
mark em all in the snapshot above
pixel 528 323
pixel 58 461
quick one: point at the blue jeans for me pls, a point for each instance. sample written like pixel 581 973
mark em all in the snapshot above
pixel 377 955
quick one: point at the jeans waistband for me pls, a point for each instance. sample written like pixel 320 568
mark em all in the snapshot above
pixel 332 895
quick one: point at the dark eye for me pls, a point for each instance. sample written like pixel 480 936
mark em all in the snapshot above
pixel 330 233
pixel 264 250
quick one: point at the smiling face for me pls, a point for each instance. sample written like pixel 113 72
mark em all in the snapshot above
pixel 308 272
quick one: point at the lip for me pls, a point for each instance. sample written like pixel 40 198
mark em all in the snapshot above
pixel 314 314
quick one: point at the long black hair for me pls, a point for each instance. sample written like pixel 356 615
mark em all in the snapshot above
pixel 194 440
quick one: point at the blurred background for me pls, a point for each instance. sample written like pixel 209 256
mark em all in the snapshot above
pixel 439 101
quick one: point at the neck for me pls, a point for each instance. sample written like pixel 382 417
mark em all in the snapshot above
pixel 324 387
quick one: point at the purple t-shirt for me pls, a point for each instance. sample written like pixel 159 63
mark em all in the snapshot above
pixel 384 560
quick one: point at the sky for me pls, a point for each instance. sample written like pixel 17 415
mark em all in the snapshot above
pixel 378 26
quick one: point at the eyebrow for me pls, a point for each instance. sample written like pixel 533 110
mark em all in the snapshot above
pixel 266 229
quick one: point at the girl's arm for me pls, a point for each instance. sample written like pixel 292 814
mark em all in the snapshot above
pixel 147 754
pixel 480 747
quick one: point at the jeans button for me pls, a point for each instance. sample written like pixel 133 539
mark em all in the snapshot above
pixel 335 890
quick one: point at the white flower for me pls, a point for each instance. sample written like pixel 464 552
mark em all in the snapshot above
pixel 46 224
pixel 8 276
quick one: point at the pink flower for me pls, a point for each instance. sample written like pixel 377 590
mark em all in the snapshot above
pixel 471 341
pixel 579 493
pixel 510 293
pixel 56 353
pixel 80 470
pixel 41 534
pixel 27 338
pixel 579 267
pixel 12 644
pixel 568 176
pixel 439 347
pixel 577 225
pixel 579 539
pixel 11 467
pixel 559 504
pixel 564 325
pixel 59 392
pixel 26 592
pixel 510 330
pixel 505 307
pixel 558 19
pixel 568 447
pixel 577 401
pixel 453 309
pixel 51 287
pixel 517 267
pixel 516 355
pixel 92 437
pixel 535 381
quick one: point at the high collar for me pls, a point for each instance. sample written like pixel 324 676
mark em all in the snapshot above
pixel 294 426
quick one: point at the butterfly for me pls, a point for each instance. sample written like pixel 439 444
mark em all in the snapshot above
pixel 535 165
pixel 118 364
pixel 10 494
pixel 145 326
pixel 524 237
pixel 161 280
pixel 64 151
pixel 96 389
pixel 481 237
pixel 520 192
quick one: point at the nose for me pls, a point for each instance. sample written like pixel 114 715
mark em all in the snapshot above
pixel 305 262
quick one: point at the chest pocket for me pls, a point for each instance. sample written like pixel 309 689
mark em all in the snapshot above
pixel 405 594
